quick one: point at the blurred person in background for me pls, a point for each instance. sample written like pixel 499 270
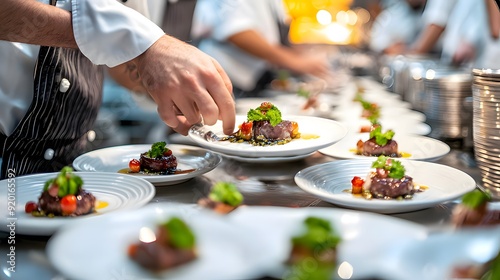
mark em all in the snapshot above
pixel 244 37
pixel 397 26
pixel 51 78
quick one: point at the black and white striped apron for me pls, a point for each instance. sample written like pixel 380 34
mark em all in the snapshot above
pixel 67 97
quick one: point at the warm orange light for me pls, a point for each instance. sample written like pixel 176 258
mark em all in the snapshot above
pixel 323 21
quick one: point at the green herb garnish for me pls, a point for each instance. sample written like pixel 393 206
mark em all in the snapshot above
pixel 475 198
pixel 319 235
pixel 303 92
pixel 157 150
pixel 179 233
pixel 66 181
pixel 494 272
pixel 304 271
pixel 265 112
pixel 381 138
pixel 394 167
pixel 226 193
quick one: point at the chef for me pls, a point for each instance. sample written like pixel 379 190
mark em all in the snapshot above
pixel 51 76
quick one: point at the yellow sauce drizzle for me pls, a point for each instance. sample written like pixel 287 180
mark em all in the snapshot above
pixel 308 136
pixel 101 204
pixel 405 154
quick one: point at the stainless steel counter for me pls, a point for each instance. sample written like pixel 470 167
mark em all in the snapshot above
pixel 261 184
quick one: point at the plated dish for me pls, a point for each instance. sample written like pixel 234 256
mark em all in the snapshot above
pixel 316 133
pixel 113 192
pixel 363 236
pixel 349 113
pixel 440 255
pixel 411 146
pixel 329 181
pixel 222 250
pixel 399 126
pixel 115 159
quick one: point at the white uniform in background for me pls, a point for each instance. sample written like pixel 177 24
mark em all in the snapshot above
pixel 398 22
pixel 106 32
pixel 216 20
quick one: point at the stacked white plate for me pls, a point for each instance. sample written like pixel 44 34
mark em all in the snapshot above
pixel 486 125
pixel 446 109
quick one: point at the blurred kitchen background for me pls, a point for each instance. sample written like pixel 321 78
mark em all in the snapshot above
pixel 345 30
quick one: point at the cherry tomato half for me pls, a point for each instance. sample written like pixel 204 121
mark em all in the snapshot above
pixel 68 204
pixel 246 130
pixel 357 185
pixel 167 153
pixel 30 207
pixel 134 165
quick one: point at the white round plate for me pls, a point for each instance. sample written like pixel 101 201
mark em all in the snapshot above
pixel 398 126
pixel 436 257
pixel 327 132
pixel 117 158
pixel 98 249
pixel 119 191
pixel 354 112
pixel 268 159
pixel 329 181
pixel 364 236
pixel 417 147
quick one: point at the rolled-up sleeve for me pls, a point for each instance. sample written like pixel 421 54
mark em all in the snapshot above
pixel 110 33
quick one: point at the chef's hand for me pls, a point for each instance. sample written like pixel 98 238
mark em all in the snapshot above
pixel 187 85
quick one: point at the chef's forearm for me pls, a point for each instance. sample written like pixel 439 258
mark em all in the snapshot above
pixel 32 22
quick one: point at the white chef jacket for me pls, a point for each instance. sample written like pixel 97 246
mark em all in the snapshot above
pixel 106 32
pixel 396 23
pixel 468 22
pixel 216 20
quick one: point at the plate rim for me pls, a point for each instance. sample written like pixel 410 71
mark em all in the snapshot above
pixel 255 152
pixel 160 180
pixel 25 227
pixel 446 147
pixel 378 206
pixel 154 211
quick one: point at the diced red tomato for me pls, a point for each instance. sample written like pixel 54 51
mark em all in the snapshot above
pixel 357 185
pixel 30 207
pixel 167 153
pixel 246 130
pixel 68 204
pixel 134 165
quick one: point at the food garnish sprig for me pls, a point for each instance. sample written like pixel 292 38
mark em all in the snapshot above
pixel 381 138
pixel 65 186
pixel 269 113
pixel 265 112
pixel 319 244
pixel 158 150
pixel 472 209
pixel 226 193
pixel 371 111
pixel 384 167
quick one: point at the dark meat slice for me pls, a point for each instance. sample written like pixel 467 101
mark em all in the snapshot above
pixel 165 164
pixel 390 187
pixel 218 207
pixel 299 253
pixel 371 148
pixel 85 203
pixel 158 255
pixel 281 131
